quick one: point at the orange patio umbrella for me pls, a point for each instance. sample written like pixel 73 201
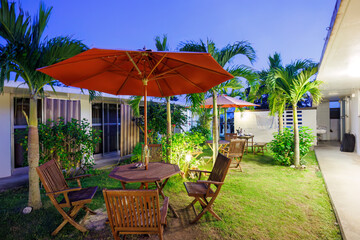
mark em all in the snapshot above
pixel 142 73
pixel 225 101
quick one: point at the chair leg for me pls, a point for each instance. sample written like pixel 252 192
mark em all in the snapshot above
pixel 69 218
pixel 192 203
pixel 89 210
pixel 238 163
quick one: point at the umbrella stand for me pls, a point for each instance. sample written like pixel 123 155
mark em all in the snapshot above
pixel 146 150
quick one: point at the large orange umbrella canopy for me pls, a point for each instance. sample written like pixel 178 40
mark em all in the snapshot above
pixel 122 72
pixel 225 101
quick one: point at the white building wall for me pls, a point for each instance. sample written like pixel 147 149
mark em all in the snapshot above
pixel 354 119
pixel 5 135
pixel 323 118
pixel 86 109
pixel 258 123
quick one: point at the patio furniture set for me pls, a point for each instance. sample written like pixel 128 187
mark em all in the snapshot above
pixel 132 211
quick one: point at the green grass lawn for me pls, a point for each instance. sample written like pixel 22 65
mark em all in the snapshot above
pixel 265 201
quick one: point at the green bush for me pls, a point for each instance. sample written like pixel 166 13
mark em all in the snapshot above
pixel 282 146
pixel 202 130
pixel 136 154
pixel 71 144
pixel 184 144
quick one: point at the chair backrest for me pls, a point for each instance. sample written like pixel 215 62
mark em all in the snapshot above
pixel 220 168
pixel 155 152
pixel 237 146
pixel 51 176
pixel 133 210
pixel 229 136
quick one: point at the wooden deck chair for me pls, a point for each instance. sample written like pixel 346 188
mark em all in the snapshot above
pixel 236 151
pixel 155 153
pixel 73 198
pixel 135 212
pixel 202 191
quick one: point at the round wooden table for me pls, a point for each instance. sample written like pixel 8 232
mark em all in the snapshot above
pixel 158 173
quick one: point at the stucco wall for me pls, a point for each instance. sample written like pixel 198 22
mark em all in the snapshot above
pixel 323 118
pixel 354 119
pixel 85 107
pixel 5 135
pixel 258 123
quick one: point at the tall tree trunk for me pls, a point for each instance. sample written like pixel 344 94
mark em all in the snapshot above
pixel 215 127
pixel 296 137
pixel 225 121
pixel 168 129
pixel 33 156
pixel 281 122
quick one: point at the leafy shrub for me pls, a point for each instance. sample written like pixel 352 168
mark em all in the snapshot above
pixel 182 145
pixel 136 154
pixel 282 146
pixel 202 130
pixel 71 143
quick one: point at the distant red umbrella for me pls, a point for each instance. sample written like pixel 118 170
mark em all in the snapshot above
pixel 143 72
pixel 225 101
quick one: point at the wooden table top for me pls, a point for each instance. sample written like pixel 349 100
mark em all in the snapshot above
pixel 245 136
pixel 220 141
pixel 157 171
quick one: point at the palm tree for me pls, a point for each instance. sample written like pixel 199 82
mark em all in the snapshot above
pixel 223 57
pixel 276 98
pixel 162 45
pixel 26 50
pixel 294 82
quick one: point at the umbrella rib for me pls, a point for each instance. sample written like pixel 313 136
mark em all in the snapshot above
pixel 207 69
pixel 168 71
pixel 127 78
pixel 135 65
pixel 157 64
pixel 162 94
pixel 188 80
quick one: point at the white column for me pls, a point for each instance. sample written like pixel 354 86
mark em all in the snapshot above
pixel 5 135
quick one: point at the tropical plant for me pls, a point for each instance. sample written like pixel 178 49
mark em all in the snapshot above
pixel 183 145
pixel 26 49
pixel 283 147
pixel 224 57
pixel 202 130
pixel 71 143
pixel 294 82
pixel 157 121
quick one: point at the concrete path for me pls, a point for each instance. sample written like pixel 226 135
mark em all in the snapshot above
pixel 341 172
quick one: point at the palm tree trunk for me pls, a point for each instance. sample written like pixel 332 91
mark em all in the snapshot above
pixel 215 127
pixel 296 137
pixel 33 156
pixel 225 121
pixel 168 135
pixel 281 122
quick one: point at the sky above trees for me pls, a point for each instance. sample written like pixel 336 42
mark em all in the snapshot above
pixel 296 29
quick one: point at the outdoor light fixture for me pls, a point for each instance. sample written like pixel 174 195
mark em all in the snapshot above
pixel 188 157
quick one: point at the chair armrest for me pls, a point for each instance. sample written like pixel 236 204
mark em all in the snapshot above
pixel 164 209
pixel 197 170
pixel 78 177
pixel 210 182
pixel 65 191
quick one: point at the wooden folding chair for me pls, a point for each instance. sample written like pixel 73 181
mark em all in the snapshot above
pixel 73 198
pixel 236 151
pixel 135 212
pixel 201 190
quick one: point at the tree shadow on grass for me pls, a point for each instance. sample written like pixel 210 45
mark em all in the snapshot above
pixel 265 159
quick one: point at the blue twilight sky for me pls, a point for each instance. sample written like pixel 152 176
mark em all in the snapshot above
pixel 295 28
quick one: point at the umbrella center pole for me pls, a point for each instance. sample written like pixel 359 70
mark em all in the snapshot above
pixel 146 150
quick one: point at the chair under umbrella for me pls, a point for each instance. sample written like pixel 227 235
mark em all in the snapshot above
pixel 225 101
pixel 142 73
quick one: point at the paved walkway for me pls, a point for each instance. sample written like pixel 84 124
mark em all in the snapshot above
pixel 341 172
